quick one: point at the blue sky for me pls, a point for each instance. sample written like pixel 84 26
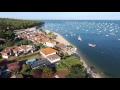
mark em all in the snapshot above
pixel 62 15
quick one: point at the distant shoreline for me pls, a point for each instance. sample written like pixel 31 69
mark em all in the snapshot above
pixel 61 39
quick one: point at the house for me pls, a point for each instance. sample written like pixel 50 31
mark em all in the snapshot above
pixel 50 54
pixel 30 48
pixel 53 58
pixel 7 52
pixel 40 62
pixel 23 48
pixel 44 40
pixel 49 43
pixel 60 46
pixel 13 66
pixel 26 48
pixel 48 51
pixel 38 39
pixel 17 76
pixel 16 51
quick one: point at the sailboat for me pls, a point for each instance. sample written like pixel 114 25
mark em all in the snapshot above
pixel 79 38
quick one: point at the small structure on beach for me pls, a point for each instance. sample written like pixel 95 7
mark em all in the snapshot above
pixel 60 46
pixel 69 50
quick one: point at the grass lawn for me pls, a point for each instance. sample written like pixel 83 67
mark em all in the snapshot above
pixel 30 56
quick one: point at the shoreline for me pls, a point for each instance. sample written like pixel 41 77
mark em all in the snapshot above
pixel 61 39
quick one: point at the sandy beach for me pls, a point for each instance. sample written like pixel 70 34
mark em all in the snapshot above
pixel 61 39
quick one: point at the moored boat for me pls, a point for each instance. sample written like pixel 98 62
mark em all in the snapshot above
pixel 92 45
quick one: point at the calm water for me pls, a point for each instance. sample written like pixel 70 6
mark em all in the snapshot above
pixel 105 57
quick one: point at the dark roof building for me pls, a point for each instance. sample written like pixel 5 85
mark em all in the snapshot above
pixel 40 62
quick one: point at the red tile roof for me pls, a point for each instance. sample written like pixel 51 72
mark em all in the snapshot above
pixel 16 49
pixel 45 39
pixel 24 47
pixel 6 50
pixel 59 45
pixel 13 66
pixel 47 51
pixel 48 40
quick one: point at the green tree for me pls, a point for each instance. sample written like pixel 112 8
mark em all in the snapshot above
pixel 77 71
pixel 13 24
pixel 65 56
pixel 9 43
pixel 47 72
pixel 26 69
pixel 37 73
pixel 23 42
pixel 51 35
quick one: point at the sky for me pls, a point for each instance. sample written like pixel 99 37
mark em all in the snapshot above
pixel 62 15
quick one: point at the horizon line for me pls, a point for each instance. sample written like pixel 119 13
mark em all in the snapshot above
pixel 59 19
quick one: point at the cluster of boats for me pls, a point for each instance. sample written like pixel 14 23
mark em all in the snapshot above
pixel 106 29
pixel 89 44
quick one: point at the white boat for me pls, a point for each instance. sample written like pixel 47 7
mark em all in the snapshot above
pixel 118 38
pixel 106 35
pixel 92 45
pixel 79 38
